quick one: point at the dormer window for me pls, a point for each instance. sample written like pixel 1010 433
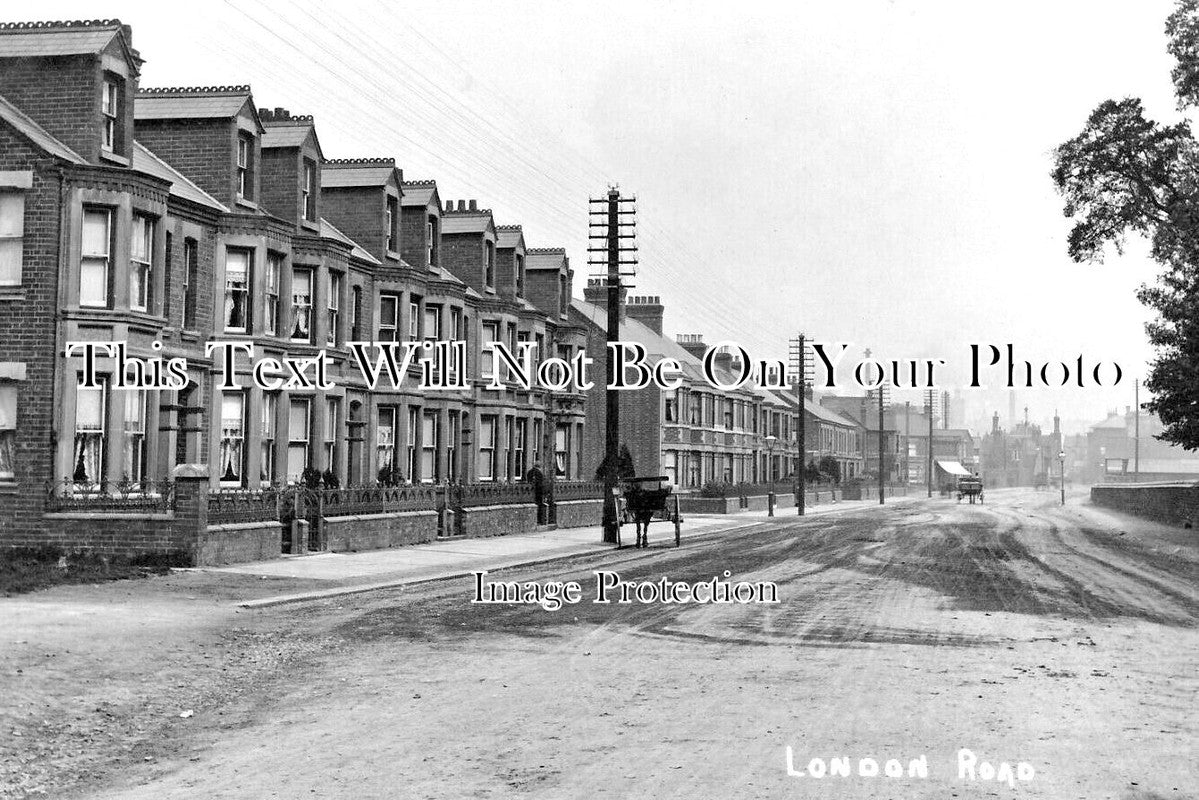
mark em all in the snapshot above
pixel 431 242
pixel 111 98
pixel 489 268
pixel 393 228
pixel 309 191
pixel 520 275
pixel 564 294
pixel 245 166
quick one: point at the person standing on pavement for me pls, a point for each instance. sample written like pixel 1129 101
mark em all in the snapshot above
pixel 537 478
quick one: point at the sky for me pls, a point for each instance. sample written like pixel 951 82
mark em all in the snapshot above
pixel 867 172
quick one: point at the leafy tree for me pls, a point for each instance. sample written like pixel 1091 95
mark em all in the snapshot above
pixel 831 469
pixel 1125 174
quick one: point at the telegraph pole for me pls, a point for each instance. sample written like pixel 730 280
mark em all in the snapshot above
pixel 613 210
pixel 802 367
pixel 907 444
pixel 882 486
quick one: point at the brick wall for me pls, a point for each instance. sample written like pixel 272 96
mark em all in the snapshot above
pixel 62 94
pixel 377 531
pixel 1176 504
pixel 498 520
pixel 462 255
pixel 279 184
pixel 360 213
pixel 201 149
pixel 27 336
pixel 541 290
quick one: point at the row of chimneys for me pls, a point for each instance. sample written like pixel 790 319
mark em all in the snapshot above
pixel 463 205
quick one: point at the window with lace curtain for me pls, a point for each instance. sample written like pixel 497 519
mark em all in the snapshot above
pixel 238 264
pixel 88 461
pixel 233 436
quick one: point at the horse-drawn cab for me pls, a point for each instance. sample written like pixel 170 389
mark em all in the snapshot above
pixel 644 499
pixel 971 488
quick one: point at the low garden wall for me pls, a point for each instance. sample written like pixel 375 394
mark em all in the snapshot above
pixel 1174 504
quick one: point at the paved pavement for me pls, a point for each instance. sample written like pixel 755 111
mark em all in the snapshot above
pixel 350 573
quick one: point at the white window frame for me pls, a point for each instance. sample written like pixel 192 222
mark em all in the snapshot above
pixel 295 442
pixel 385 438
pixel 245 180
pixel 233 439
pixel 235 291
pixel 270 306
pixel 110 108
pixel 429 434
pixel 134 456
pixel 12 234
pixel 487 433
pixel 333 307
pixel 301 305
pixel 268 414
pixel 141 261
pixel 8 431
pixel 96 258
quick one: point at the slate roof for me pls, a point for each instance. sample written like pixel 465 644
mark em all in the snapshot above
pixel 341 175
pixel 36 133
pixel 329 231
pixel 508 236
pixel 419 193
pixel 145 161
pixel 468 222
pixel 285 135
pixel 57 39
pixel 546 258
pixel 829 415
pixel 1114 421
pixel 209 102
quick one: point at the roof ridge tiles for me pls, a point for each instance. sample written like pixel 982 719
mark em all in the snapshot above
pixel 508 227
pixel 58 24
pixel 546 250
pixel 421 182
pixel 381 161
pixel 179 90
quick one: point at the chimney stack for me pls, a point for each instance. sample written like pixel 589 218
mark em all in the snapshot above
pixel 474 205
pixel 596 293
pixel 646 309
pixel 693 343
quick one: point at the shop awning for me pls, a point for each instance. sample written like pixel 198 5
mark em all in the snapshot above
pixel 953 468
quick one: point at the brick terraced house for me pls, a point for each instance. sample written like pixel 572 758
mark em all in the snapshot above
pixel 168 218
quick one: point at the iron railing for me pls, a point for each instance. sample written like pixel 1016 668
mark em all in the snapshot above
pixel 354 500
pixel 114 496
pixel 243 505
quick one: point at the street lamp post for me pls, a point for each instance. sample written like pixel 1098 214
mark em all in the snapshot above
pixel 1061 457
pixel 770 440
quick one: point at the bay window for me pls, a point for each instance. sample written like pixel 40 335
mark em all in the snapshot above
pixel 385 444
pixel 270 409
pixel 413 465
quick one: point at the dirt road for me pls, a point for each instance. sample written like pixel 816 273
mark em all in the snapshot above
pixel 1059 641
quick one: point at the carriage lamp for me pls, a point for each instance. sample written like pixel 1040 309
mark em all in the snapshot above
pixel 1061 457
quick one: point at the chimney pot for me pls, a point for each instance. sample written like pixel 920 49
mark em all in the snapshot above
pixel 474 205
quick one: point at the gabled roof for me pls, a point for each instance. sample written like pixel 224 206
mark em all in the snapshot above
pixel 341 173
pixel 509 236
pixel 293 133
pixel 145 161
pixel 829 415
pixel 466 222
pixel 545 258
pixel 421 193
pixel 77 38
pixel 194 102
pixel 36 133
pixel 329 231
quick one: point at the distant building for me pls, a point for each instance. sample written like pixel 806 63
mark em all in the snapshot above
pixel 1112 452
